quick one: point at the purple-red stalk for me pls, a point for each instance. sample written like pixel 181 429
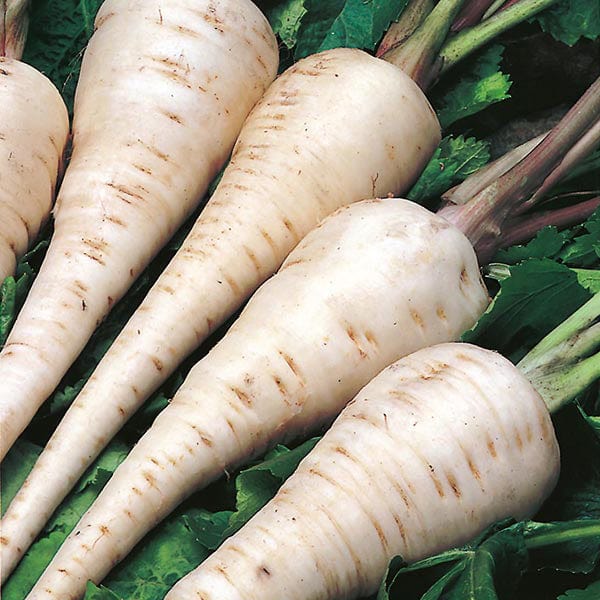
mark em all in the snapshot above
pixel 470 14
pixel 484 217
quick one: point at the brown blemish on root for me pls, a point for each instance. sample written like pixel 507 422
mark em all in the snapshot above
pixel 154 150
pixel 280 385
pixel 491 448
pixel 124 190
pixel 171 116
pixel 441 313
pixel 341 450
pixel 293 367
pixel 101 20
pixel 262 570
pixel 232 284
pixel 4 541
pixel 370 337
pixel 290 227
pixel 104 530
pixel 96 258
pixel 436 482
pixel 220 569
pixel 157 363
pixel 183 30
pixel 518 440
pixel 453 484
pixel 115 220
pixel 269 240
pixel 150 479
pixel 143 169
pixel 417 318
pixel 528 433
pixel 352 335
pixel 298 261
pixel 401 529
pixel 245 398
pixel 474 470
pixel 253 259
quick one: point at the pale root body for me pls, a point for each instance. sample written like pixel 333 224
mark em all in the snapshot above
pixel 163 92
pixel 14 22
pixel 335 128
pixel 375 281
pixel 34 125
pixel 437 447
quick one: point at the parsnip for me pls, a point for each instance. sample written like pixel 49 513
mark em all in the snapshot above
pixel 434 449
pixel 163 92
pixel 296 161
pixel 14 23
pixel 373 282
pixel 34 126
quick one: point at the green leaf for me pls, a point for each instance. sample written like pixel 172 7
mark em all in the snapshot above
pixel 166 555
pixel 185 539
pixel 572 546
pixel 589 279
pixel 92 592
pixel 258 484
pixel 58 32
pixel 454 160
pixel 285 18
pixel 15 468
pixel 488 568
pixel 348 23
pixel 570 20
pixel 591 592
pixel 538 295
pixel 8 292
pixel 547 243
pixel 481 85
pixel 584 249
pixel 578 246
pixel 62 522
pixel 577 494
pixel 13 290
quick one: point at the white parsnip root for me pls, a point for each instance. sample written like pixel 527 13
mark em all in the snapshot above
pixel 297 160
pixel 34 126
pixel 374 282
pixel 163 92
pixel 14 23
pixel 436 448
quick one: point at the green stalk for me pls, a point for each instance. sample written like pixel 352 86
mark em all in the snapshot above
pixel 494 8
pixel 470 40
pixel 564 364
pixel 418 54
pixel 540 535
pixel 478 181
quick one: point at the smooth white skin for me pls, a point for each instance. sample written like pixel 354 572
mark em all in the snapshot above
pixel 34 125
pixel 297 160
pixel 434 449
pixel 163 92
pixel 376 280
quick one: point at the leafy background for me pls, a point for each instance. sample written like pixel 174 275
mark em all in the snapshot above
pixel 540 284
